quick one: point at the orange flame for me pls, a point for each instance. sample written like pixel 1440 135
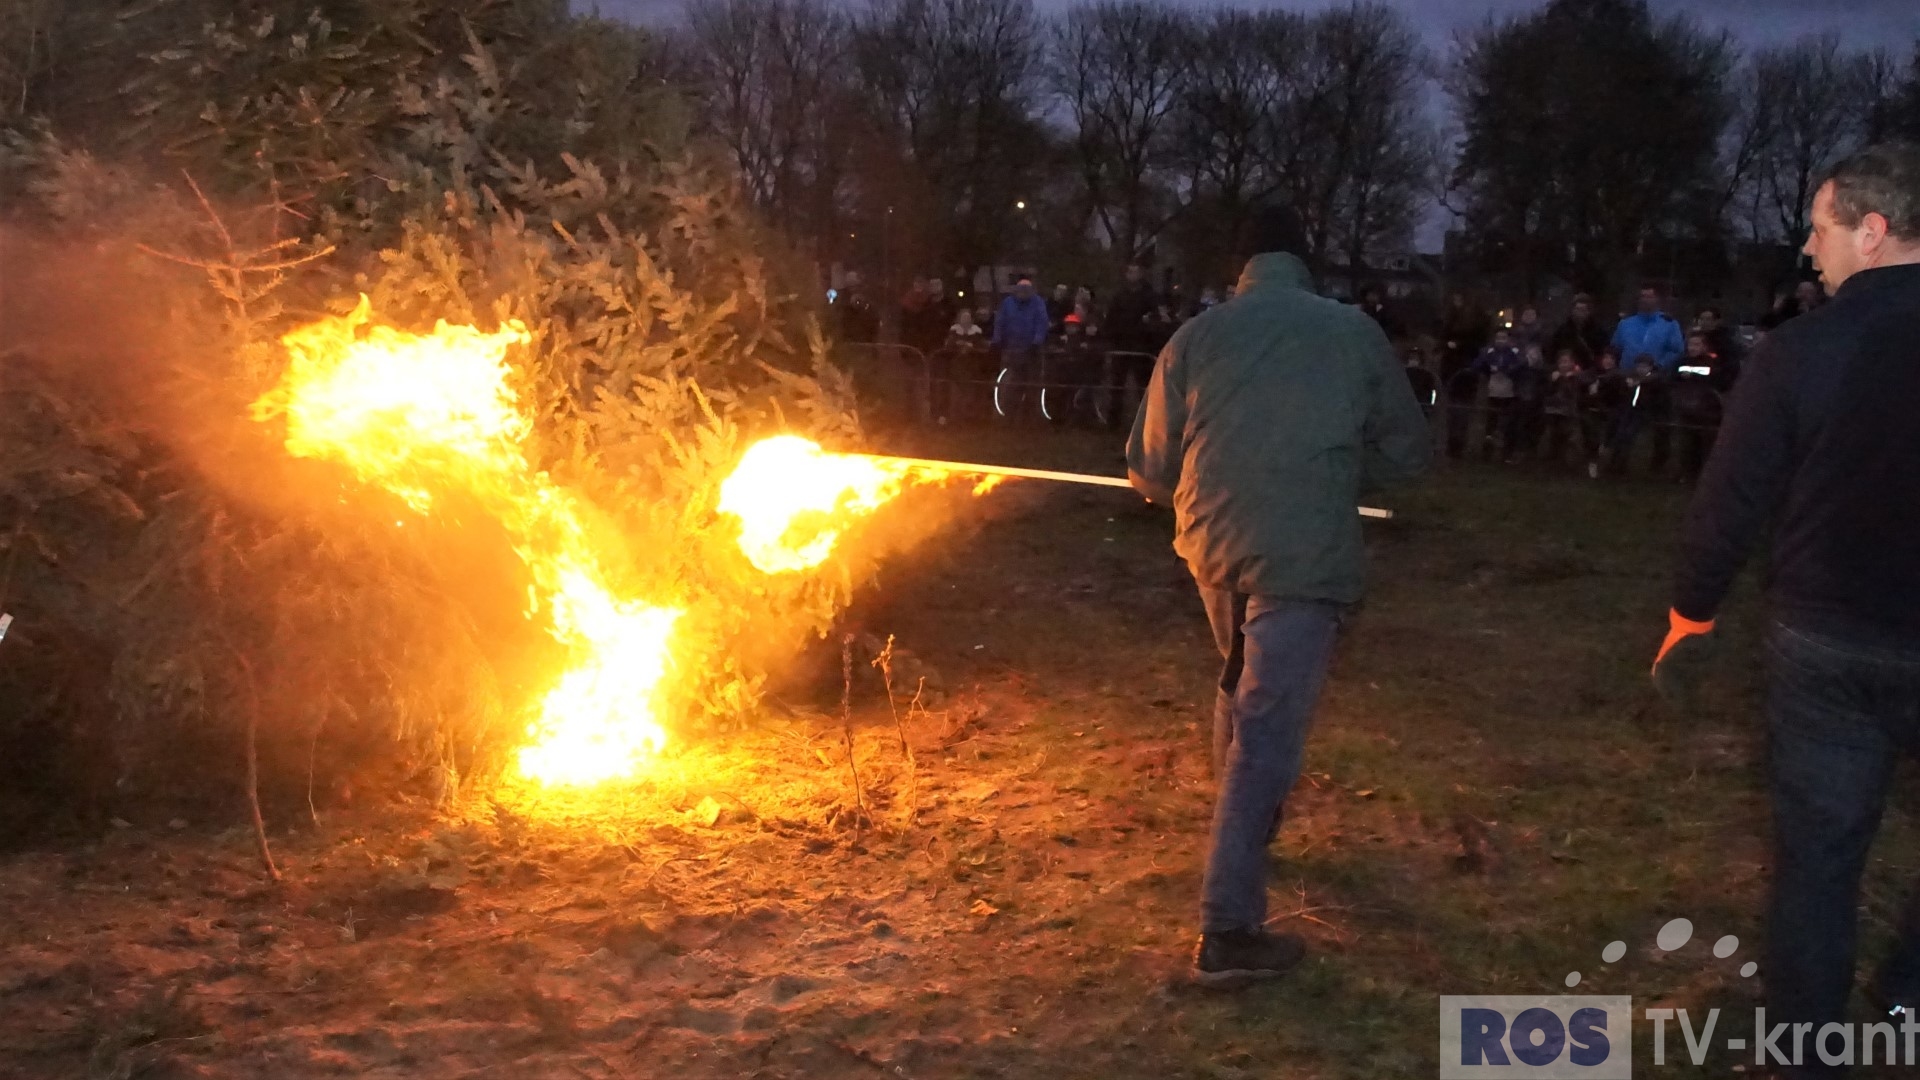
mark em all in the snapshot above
pixel 417 413
pixel 795 500
pixel 420 414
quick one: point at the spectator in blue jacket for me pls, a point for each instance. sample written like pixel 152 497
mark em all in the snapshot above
pixel 1651 332
pixel 1019 332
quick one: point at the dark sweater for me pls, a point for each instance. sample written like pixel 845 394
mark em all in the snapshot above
pixel 1822 436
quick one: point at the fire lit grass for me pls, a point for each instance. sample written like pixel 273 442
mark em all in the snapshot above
pixel 1490 799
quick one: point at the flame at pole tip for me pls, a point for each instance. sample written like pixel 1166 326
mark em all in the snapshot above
pixel 795 500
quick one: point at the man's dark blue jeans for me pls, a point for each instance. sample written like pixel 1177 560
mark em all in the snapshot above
pixel 1276 654
pixel 1840 712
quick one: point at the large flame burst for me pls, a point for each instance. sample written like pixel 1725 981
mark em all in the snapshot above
pixel 793 499
pixel 417 414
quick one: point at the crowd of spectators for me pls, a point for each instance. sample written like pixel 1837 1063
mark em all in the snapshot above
pixel 1581 392
pixel 1020 340
pixel 1530 392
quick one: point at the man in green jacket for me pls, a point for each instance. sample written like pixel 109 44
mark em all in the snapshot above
pixel 1265 418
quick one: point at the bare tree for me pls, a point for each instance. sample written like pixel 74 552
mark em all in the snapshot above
pixel 1899 113
pixel 1357 146
pixel 1117 66
pixel 1743 143
pixel 1814 101
pixel 1225 117
pixel 955 83
pixel 1560 178
pixel 769 76
pixel 1327 112
pixel 1394 174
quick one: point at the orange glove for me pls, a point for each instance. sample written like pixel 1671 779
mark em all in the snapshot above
pixel 1679 628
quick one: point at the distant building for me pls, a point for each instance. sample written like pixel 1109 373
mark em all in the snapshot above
pixel 1401 275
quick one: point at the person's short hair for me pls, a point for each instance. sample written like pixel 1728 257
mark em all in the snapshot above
pixel 1648 286
pixel 1583 298
pixel 1710 310
pixel 1882 179
pixel 1023 279
pixel 1275 227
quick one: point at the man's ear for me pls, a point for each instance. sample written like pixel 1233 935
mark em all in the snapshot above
pixel 1873 228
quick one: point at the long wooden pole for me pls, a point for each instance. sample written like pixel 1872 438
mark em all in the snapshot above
pixel 1049 474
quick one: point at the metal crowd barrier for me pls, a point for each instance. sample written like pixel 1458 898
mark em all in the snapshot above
pixel 1464 420
pixel 1089 386
pixel 1066 385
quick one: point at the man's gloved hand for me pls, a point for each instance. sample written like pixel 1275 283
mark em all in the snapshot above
pixel 1682 659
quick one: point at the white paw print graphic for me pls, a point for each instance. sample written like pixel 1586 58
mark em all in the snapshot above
pixel 1672 936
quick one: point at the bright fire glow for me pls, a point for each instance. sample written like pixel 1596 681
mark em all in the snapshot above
pixel 416 414
pixel 430 416
pixel 794 499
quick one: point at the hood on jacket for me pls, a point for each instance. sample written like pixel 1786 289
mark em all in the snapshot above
pixel 1275 269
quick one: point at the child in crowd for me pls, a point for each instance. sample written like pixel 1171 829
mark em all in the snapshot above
pixel 1602 404
pixel 1498 363
pixel 964 332
pixel 1696 404
pixel 1425 384
pixel 1524 422
pixel 1529 330
pixel 963 361
pixel 1560 404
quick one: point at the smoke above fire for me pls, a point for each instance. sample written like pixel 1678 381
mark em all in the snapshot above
pixel 425 416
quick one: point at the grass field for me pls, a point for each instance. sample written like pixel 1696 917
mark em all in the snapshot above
pixel 1490 799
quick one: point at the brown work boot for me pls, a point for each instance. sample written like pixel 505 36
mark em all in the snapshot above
pixel 1234 958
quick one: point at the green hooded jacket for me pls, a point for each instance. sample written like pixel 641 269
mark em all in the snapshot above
pixel 1265 420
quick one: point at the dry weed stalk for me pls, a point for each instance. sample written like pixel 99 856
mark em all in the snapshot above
pixel 885 663
pixel 846 725
pixel 242 278
pixel 253 765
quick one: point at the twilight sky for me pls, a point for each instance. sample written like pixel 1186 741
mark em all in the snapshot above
pixel 1859 23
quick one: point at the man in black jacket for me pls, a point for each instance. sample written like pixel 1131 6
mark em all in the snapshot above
pixel 1725 347
pixel 1127 313
pixel 1465 329
pixel 1128 333
pixel 1584 333
pixel 1821 439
